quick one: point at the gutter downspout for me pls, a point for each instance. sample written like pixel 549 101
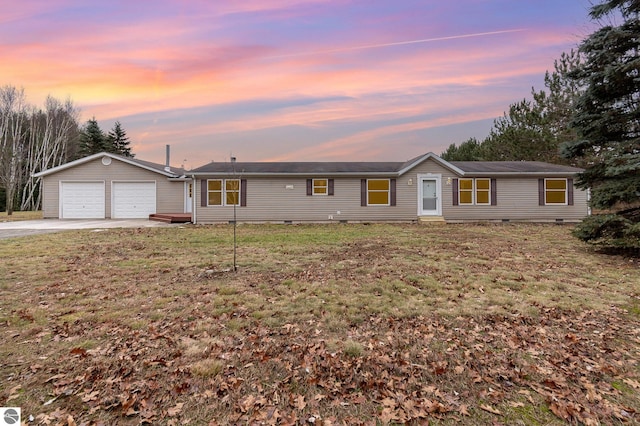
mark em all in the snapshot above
pixel 193 199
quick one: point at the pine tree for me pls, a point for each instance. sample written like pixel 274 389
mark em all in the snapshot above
pixel 468 150
pixel 118 142
pixel 92 139
pixel 531 129
pixel 607 118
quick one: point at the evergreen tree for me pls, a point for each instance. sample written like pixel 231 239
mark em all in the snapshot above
pixel 118 142
pixel 534 130
pixel 531 129
pixel 607 118
pixel 468 150
pixel 92 139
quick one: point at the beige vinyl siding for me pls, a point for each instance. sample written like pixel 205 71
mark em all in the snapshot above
pixel 518 200
pixel 169 195
pixel 269 200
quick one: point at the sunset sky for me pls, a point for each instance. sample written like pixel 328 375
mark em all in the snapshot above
pixel 287 80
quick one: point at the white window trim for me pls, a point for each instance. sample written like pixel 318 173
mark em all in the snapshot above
pixel 224 200
pixel 223 193
pixel 313 187
pixel 566 192
pixel 388 194
pixel 474 192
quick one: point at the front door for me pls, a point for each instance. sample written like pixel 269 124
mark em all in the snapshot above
pixel 429 203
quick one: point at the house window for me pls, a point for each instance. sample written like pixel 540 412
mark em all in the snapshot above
pixel 232 191
pixel 214 192
pixel 466 191
pixel 474 191
pixel 483 191
pixel 378 192
pixel 320 186
pixel 227 190
pixel 555 191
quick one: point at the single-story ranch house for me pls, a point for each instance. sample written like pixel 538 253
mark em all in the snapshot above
pixel 425 188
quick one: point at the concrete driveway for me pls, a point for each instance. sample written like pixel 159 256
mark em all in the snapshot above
pixel 23 228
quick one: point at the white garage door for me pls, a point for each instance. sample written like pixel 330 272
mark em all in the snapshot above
pixel 82 200
pixel 133 200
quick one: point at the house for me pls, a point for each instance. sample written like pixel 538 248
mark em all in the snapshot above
pixel 111 186
pixel 425 188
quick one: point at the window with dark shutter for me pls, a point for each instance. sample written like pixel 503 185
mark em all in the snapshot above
pixel 203 193
pixel 454 187
pixel 243 193
pixel 392 192
pixel 494 193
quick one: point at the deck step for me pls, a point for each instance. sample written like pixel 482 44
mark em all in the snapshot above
pixel 171 217
pixel 432 220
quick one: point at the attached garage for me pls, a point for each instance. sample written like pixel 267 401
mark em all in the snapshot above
pixel 106 186
pixel 82 200
pixel 133 200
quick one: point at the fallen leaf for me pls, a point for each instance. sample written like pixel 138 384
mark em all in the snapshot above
pixel 171 412
pixel 464 410
pixel 490 409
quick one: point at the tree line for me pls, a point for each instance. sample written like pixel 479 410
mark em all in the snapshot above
pixel 588 116
pixel 33 139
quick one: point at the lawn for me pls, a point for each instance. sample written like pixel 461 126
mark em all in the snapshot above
pixel 320 324
pixel 28 215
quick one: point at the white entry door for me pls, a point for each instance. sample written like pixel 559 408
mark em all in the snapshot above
pixel 133 200
pixel 429 193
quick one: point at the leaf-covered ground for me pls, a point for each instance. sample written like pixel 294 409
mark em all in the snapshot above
pixel 380 324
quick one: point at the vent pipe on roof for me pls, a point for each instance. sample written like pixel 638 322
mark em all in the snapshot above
pixel 167 167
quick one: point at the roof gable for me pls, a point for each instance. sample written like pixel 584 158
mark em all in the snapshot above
pixel 153 167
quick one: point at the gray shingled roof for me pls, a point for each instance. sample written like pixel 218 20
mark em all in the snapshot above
pixel 512 167
pixel 301 167
pixel 160 167
pixel 387 167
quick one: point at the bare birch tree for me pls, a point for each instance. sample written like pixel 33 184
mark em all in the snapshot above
pixel 50 132
pixel 12 141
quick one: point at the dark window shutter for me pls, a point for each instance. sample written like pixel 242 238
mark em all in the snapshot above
pixel 541 192
pixel 330 187
pixel 570 191
pixel 363 192
pixel 243 193
pixel 392 192
pixel 454 185
pixel 494 193
pixel 203 193
pixel 309 186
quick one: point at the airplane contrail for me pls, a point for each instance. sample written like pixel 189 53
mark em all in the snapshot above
pixel 397 43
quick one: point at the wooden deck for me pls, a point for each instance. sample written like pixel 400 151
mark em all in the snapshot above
pixel 171 217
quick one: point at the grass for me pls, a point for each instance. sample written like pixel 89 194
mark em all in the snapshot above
pixel 30 215
pixel 360 317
